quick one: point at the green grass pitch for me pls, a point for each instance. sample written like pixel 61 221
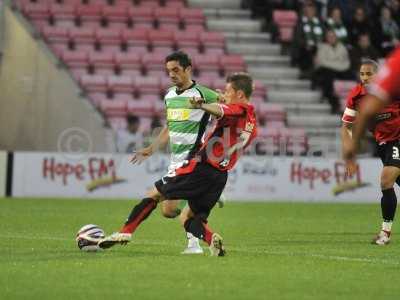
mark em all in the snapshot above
pixel 274 251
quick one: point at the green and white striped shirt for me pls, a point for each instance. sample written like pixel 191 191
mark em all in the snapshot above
pixel 186 125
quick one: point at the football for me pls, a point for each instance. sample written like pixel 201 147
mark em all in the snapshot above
pixel 88 237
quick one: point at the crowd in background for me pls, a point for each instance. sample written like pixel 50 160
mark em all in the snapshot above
pixel 333 36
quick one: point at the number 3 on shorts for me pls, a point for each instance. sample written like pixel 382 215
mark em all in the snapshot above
pixel 396 153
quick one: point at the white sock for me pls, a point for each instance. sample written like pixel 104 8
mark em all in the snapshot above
pixel 387 226
pixel 193 242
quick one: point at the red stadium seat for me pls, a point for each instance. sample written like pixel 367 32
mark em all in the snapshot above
pixel 120 84
pixel 232 63
pixel 94 83
pixel 110 38
pixel 97 98
pixel 272 112
pixel 177 4
pixel 55 34
pixel 78 72
pixel 128 64
pixel 286 18
pixel 154 64
pixel 286 21
pixel 206 81
pixel 167 16
pixel 207 65
pixel 165 84
pixel 59 48
pixel 114 108
pixel 194 28
pixel 286 34
pixel 37 11
pixel 142 108
pixel 142 15
pixel 259 89
pixel 89 15
pixel 212 40
pixel 147 86
pixel 63 15
pixel 218 84
pixel 192 52
pixel 192 16
pixel 295 139
pixel 342 89
pixel 116 16
pixel 268 141
pixel 75 59
pixel 102 62
pixel 135 37
pixel 82 35
pixel 150 3
pixel 161 39
pixel 187 39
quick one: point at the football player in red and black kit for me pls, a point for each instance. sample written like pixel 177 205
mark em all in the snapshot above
pixel 202 179
pixel 382 106
pixel 384 130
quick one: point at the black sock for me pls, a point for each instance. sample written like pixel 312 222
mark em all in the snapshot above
pixel 138 214
pixel 388 204
pixel 195 226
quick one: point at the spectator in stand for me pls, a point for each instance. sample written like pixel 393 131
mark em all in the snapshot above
pixel 362 51
pixel 390 32
pixel 131 139
pixel 395 8
pixel 332 62
pixel 308 33
pixel 359 25
pixel 335 23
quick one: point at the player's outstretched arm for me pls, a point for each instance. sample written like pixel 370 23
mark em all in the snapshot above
pixel 346 135
pixel 142 154
pixel 212 108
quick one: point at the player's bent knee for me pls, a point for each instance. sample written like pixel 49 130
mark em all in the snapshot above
pixel 170 213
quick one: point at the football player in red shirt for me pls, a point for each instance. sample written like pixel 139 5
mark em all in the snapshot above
pixel 383 104
pixel 383 132
pixel 202 178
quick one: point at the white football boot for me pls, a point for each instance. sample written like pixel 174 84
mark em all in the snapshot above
pixel 217 247
pixel 115 238
pixel 383 238
pixel 193 246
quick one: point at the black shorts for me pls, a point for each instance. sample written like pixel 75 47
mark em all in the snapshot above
pixel 201 188
pixel 389 153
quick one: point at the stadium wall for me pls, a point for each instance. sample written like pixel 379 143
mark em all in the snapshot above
pixel 39 100
pixel 110 176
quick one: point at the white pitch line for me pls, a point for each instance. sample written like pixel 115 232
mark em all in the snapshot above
pixel 279 253
pixel 321 256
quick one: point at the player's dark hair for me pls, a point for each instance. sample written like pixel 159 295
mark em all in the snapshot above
pixel 370 62
pixel 181 57
pixel 242 82
pixel 132 119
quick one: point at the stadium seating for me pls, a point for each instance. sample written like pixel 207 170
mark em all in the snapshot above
pixel 342 88
pixel 286 21
pixel 116 52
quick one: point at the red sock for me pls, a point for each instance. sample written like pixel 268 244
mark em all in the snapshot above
pixel 207 234
pixel 139 213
